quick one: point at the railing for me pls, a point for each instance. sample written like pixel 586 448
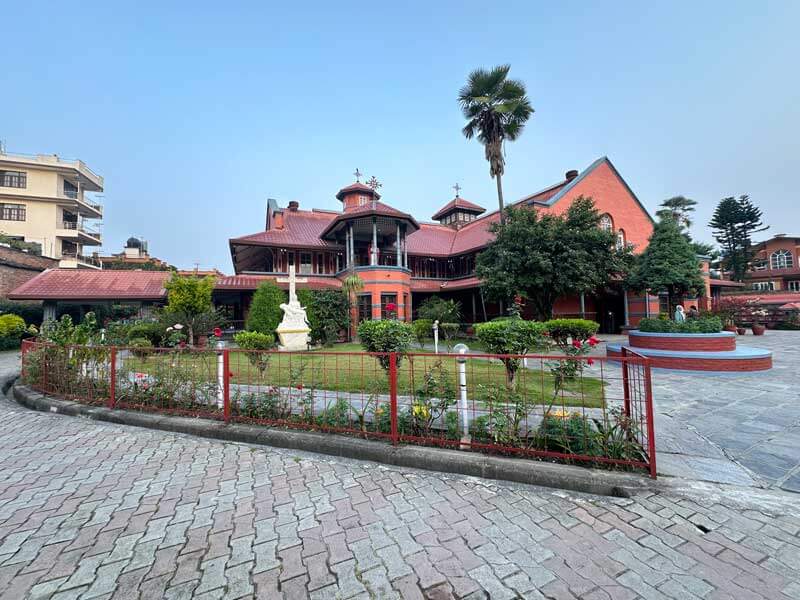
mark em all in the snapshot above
pixel 578 410
pixel 69 225
pixel 89 260
pixel 71 194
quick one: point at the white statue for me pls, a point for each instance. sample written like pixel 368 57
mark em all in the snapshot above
pixel 293 330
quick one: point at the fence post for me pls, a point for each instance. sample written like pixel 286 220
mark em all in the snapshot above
pixel 651 425
pixel 43 382
pixel 393 396
pixel 226 384
pixel 112 389
pixel 626 383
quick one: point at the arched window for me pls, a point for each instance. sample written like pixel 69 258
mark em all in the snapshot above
pixel 606 224
pixel 620 239
pixel 781 259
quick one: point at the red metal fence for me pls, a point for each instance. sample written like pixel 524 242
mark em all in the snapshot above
pixel 573 409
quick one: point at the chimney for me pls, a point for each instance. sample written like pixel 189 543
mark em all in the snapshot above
pixel 293 205
pixel 277 219
pixel 571 174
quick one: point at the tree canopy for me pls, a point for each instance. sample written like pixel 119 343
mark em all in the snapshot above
pixel 496 109
pixel 668 264
pixel 544 257
pixel 680 209
pixel 734 221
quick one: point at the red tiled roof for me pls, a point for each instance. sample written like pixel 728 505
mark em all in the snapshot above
pixel 79 284
pixel 431 240
pixel 544 195
pixel 458 202
pixel 301 229
pixel 368 210
pixel 764 298
pixel 251 282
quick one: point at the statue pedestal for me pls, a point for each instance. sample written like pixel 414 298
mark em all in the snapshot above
pixel 292 339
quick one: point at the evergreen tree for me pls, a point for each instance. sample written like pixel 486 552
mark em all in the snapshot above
pixel 544 257
pixel 678 208
pixel 265 312
pixel 734 221
pixel 668 264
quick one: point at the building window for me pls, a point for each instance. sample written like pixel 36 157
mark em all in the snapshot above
pixel 387 299
pixel 781 259
pixel 364 307
pixel 621 239
pixel 793 286
pixel 70 190
pixel 362 200
pixel 764 286
pixel 13 179
pixel 305 263
pixel 606 223
pixel 12 212
pixel 760 264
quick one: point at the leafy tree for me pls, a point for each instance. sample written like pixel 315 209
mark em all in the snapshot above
pixel 669 264
pixel 544 257
pixel 496 109
pixel 680 209
pixel 189 302
pixel 265 310
pixel 328 313
pixel 438 309
pixel 733 222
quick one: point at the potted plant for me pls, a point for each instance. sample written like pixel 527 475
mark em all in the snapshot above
pixel 741 329
pixel 757 327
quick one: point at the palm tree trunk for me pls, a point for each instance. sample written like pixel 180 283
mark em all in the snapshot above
pixel 498 177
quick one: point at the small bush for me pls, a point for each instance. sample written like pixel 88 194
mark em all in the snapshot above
pixel 698 325
pixel 140 347
pixel 386 336
pixel 12 330
pixel 565 331
pixel 437 309
pixel 423 331
pixel 149 330
pixel 511 336
pixel 258 346
pixel 265 311
pixel 30 312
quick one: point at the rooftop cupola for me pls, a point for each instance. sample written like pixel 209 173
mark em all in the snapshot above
pixel 458 212
pixel 357 194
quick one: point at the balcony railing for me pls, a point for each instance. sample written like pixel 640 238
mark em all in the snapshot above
pixel 81 258
pixel 78 226
pixel 71 194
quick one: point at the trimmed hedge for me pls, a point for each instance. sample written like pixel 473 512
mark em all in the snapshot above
pixel 12 330
pixel 564 331
pixel 511 336
pixel 698 325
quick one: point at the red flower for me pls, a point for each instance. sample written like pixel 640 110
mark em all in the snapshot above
pixel 577 343
pixel 391 306
pixel 217 332
pixel 518 299
pixel 590 362
pixel 300 387
pixel 593 341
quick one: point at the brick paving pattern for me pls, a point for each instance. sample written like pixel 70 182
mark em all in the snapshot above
pixel 94 510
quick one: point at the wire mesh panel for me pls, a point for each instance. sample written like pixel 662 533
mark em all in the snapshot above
pixel 552 407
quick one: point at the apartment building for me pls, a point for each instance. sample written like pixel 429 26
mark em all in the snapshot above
pixel 45 199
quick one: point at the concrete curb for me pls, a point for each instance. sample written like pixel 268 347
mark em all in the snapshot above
pixel 577 479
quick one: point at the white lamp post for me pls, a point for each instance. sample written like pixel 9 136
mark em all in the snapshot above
pixel 461 350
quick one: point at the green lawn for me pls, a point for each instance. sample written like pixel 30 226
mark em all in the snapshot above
pixel 332 369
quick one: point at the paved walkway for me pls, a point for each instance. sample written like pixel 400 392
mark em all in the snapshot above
pixel 95 510
pixel 706 421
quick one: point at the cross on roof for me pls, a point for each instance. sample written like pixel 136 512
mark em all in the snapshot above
pixel 374 183
pixel 358 175
pixel 457 188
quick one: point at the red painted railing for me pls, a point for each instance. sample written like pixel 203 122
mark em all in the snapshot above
pixel 578 409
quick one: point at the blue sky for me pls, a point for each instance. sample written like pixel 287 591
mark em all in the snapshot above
pixel 196 113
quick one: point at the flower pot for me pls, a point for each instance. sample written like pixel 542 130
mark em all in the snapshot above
pixel 731 328
pixel 741 330
pixel 758 329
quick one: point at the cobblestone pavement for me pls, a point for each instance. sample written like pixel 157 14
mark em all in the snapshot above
pixel 95 510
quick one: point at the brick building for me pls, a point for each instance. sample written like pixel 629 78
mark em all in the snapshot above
pixel 18 267
pixel 403 261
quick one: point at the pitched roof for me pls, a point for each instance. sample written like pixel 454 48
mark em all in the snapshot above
pixel 368 210
pixel 301 229
pixel 79 284
pixel 455 203
pixel 251 282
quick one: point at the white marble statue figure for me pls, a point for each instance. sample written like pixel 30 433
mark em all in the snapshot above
pixel 293 330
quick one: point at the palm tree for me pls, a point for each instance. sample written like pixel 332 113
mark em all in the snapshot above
pixel 496 109
pixel 678 208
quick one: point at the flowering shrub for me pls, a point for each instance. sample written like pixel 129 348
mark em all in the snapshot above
pixel 564 332
pixel 386 336
pixel 567 370
pixel 432 399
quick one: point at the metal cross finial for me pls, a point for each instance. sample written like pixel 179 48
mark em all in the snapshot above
pixel 374 183
pixel 358 175
pixel 457 188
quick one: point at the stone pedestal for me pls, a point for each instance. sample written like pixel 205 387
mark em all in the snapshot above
pixel 292 339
